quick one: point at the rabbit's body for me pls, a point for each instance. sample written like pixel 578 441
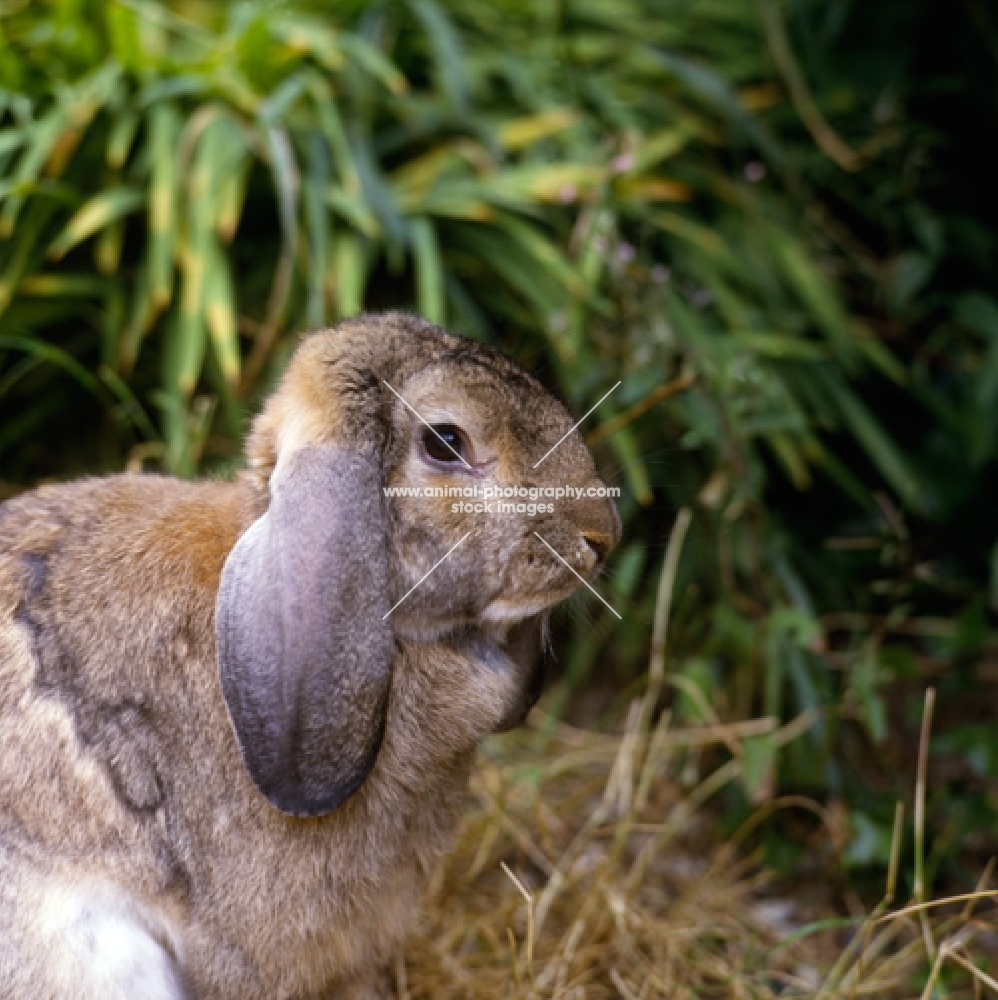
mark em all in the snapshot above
pixel 123 774
pixel 137 854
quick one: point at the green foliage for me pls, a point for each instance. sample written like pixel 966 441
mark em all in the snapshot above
pixel 724 204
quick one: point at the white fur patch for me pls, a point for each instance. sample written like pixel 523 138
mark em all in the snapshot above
pixel 100 948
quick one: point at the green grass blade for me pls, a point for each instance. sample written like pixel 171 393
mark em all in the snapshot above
pixel 102 210
pixel 164 134
pixel 429 271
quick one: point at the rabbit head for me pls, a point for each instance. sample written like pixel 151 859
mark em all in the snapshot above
pixel 316 593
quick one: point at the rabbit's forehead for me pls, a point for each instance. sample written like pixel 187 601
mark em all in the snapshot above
pixel 484 400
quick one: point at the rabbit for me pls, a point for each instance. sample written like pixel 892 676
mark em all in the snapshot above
pixel 234 741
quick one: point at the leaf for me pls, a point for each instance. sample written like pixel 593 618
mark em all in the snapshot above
pixel 635 470
pixel 691 231
pixel 352 211
pixel 653 189
pixel 759 767
pixel 710 87
pixel 448 58
pixel 306 35
pixel 429 271
pixel 108 247
pixel 284 173
pixel 232 187
pixel 545 253
pixel 883 452
pixel 866 683
pixel 53 139
pixel 781 345
pixel 102 210
pixel 63 285
pixel 140 318
pixel 373 62
pixel 121 138
pixel 790 457
pixel 220 315
pixel 24 247
pixel 130 406
pixel 11 139
pixel 331 124
pixel 55 356
pixel 349 275
pixel 282 100
pixel 419 175
pixel 316 223
pixel 520 272
pixel 126 40
pixel 16 372
pixel 43 136
pixel 164 132
pixel 909 273
pixel 816 292
pixel 191 333
pixel 376 190
pixel 627 568
pixel 870 842
pixel 549 182
pixel 519 133
pixel 659 146
pixel 83 101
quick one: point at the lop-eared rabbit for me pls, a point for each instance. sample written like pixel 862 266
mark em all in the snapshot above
pixel 227 766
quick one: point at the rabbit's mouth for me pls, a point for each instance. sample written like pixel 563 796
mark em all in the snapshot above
pixel 546 578
pixel 504 610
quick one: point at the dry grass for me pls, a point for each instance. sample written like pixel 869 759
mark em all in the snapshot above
pixel 586 869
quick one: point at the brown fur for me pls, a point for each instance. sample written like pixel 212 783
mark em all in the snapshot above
pixel 126 814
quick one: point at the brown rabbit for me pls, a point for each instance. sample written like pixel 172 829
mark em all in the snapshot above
pixel 227 766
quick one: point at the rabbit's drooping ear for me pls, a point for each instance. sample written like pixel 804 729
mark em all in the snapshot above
pixel 303 649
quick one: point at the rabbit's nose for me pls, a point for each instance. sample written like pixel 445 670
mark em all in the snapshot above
pixel 597 547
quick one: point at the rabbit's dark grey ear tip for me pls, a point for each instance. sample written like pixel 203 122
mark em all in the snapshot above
pixel 291 791
pixel 298 803
pixel 295 799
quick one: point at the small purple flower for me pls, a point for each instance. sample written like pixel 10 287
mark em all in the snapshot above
pixel 622 163
pixel 625 253
pixel 755 170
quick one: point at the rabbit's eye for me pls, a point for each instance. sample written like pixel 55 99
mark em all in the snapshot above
pixel 446 443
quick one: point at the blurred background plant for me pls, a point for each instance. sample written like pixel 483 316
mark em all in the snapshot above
pixel 771 221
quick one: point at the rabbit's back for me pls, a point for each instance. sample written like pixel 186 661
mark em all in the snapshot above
pixel 106 589
pixel 106 602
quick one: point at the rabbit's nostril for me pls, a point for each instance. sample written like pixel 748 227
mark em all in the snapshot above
pixel 598 543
